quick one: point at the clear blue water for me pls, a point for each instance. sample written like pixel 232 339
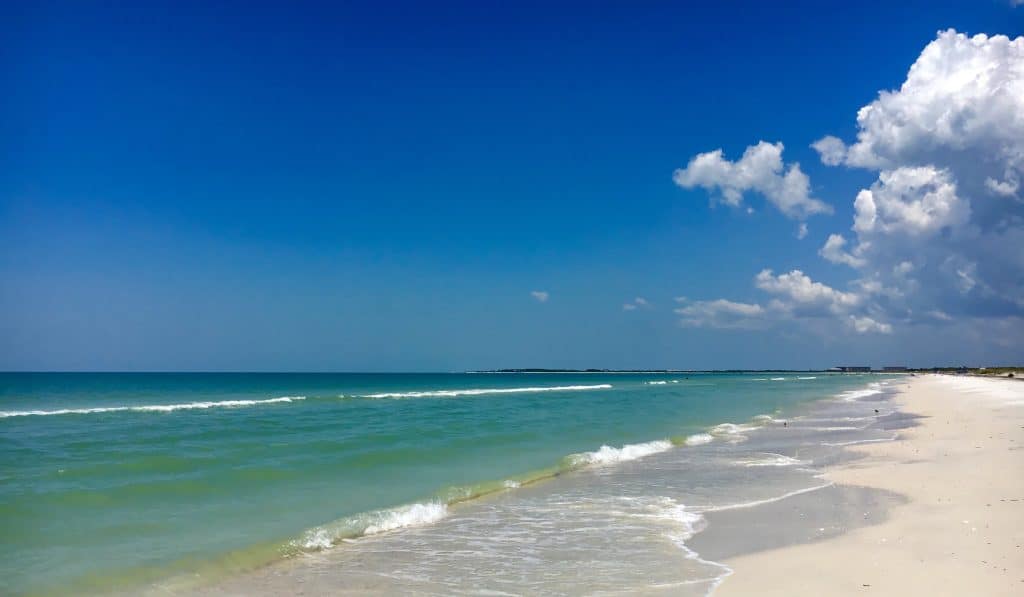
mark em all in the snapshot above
pixel 109 481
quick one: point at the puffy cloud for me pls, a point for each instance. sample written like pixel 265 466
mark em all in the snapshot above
pixel 798 290
pixel 796 297
pixel 1006 188
pixel 721 313
pixel 942 228
pixel 962 95
pixel 863 325
pixel 760 170
pixel 938 238
pixel 833 251
pixel 801 232
pixel 541 296
pixel 831 149
pixel 637 303
pixel 912 201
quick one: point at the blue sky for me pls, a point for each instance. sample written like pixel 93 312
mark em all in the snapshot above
pixel 381 186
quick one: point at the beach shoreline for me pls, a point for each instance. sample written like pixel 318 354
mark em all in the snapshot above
pixel 744 472
pixel 957 529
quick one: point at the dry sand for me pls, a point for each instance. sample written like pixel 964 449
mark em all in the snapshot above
pixel 961 530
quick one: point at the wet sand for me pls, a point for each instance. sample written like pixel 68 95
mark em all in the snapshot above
pixel 938 511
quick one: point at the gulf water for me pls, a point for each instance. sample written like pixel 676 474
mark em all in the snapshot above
pixel 109 481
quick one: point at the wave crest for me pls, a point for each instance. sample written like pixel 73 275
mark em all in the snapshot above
pixel 482 391
pixel 609 455
pixel 699 439
pixel 148 408
pixel 372 523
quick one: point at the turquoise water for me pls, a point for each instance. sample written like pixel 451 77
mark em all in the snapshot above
pixel 108 481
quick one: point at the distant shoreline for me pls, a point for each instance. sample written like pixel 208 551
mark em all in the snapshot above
pixel 672 371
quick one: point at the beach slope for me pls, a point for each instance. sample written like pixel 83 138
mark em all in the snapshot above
pixel 961 531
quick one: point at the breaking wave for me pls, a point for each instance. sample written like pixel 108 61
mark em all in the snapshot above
pixel 699 439
pixel 372 523
pixel 609 455
pixel 149 408
pixel 483 391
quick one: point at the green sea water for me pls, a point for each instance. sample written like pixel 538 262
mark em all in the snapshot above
pixel 112 481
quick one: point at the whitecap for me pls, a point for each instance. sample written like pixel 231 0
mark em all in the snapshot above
pixel 372 523
pixel 608 455
pixel 160 408
pixel 699 439
pixel 854 395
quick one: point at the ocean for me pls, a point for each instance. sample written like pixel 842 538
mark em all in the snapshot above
pixel 248 483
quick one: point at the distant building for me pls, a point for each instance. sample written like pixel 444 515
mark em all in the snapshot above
pixel 893 369
pixel 854 369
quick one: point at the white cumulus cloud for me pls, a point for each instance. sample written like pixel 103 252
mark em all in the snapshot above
pixel 760 170
pixel 799 291
pixel 720 313
pixel 938 238
pixel 948 147
pixel 541 296
pixel 796 297
pixel 834 251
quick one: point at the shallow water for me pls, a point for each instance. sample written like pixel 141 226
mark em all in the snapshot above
pixel 637 526
pixel 588 482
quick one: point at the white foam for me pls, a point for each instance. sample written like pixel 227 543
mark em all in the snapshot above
pixel 655 383
pixel 689 523
pixel 808 377
pixel 373 523
pixel 609 455
pixel 854 395
pixel 510 484
pixel 407 516
pixel 482 391
pixel 730 429
pixel 769 460
pixel 767 500
pixel 778 379
pixel 699 439
pixel 732 432
pixel 155 408
pixel 318 538
pixel 834 419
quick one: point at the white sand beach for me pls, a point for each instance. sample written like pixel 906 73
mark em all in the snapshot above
pixel 961 531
